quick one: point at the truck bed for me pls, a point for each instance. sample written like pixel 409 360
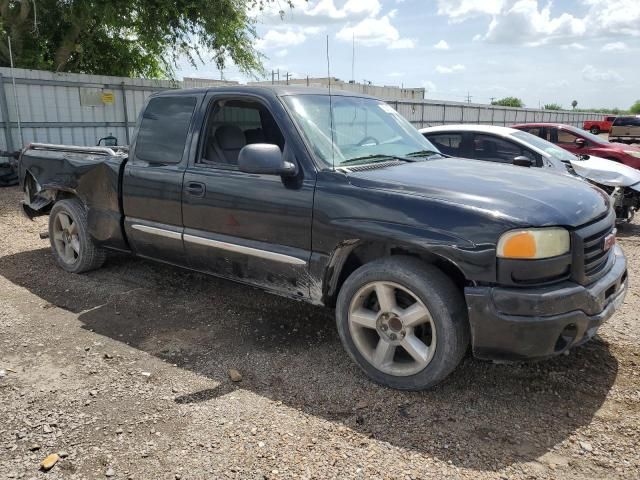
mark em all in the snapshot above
pixel 93 174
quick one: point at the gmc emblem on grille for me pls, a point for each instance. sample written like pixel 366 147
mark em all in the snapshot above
pixel 609 241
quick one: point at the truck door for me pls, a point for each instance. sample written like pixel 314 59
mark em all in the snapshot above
pixel 152 184
pixel 249 227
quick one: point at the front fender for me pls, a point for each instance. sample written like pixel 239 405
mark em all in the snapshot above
pixel 377 238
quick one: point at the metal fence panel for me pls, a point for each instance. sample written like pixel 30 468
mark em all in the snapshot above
pixel 80 109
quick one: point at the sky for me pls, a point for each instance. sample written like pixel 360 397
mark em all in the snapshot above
pixel 540 51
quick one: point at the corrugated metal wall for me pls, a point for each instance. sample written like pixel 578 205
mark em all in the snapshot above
pixel 431 113
pixel 80 109
pixel 61 107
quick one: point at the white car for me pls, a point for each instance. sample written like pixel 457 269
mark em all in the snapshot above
pixel 508 145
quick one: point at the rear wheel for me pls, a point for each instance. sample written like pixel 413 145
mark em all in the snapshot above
pixel 71 245
pixel 403 322
pixel 595 130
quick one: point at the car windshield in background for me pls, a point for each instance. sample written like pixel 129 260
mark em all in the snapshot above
pixel 364 130
pixel 548 147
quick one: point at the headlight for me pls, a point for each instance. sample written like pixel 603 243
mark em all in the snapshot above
pixel 534 243
pixel 633 153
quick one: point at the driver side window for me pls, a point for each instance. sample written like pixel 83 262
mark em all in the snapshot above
pixel 233 124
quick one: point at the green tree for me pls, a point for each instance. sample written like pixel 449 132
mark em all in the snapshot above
pixel 128 37
pixel 574 104
pixel 635 108
pixel 552 106
pixel 508 102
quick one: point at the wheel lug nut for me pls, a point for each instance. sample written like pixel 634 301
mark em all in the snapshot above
pixel 392 336
pixel 384 328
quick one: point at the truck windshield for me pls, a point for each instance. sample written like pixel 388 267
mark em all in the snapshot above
pixel 364 130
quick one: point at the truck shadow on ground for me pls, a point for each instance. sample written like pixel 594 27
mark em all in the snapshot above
pixel 289 351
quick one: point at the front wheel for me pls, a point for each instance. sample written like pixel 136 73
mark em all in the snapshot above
pixel 595 130
pixel 71 245
pixel 403 322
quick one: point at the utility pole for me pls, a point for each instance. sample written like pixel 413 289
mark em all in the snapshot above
pixel 353 57
pixel 468 97
pixel 273 77
pixel 287 77
pixel 278 75
pixel 492 99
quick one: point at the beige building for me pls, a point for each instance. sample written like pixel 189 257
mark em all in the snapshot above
pixel 385 92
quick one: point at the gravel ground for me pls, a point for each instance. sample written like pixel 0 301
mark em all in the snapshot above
pixel 124 372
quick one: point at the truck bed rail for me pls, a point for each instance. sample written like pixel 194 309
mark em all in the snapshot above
pixel 107 151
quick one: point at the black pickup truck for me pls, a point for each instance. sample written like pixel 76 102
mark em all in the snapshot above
pixel 337 200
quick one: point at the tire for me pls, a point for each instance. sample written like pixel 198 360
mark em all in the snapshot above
pixel 72 246
pixel 595 130
pixel 362 329
pixel 8 176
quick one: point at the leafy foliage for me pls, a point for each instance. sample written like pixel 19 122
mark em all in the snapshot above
pixel 553 106
pixel 574 104
pixel 635 108
pixel 508 102
pixel 128 37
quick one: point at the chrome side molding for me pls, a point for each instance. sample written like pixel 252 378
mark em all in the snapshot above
pixel 254 252
pixel 157 231
pixel 229 247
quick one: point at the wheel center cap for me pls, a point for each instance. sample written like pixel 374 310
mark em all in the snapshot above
pixel 395 324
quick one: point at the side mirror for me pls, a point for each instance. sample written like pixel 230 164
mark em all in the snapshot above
pixel 580 142
pixel 265 159
pixel 522 161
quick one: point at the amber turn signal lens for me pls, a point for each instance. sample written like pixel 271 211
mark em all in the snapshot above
pixel 521 245
pixel 534 243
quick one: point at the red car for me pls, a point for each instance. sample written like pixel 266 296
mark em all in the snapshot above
pixel 598 126
pixel 583 143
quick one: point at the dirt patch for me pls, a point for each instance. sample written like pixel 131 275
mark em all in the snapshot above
pixel 125 370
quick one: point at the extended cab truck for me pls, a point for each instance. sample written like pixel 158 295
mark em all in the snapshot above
pixel 339 201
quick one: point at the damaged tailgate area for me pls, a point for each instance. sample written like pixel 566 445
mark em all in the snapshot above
pixel 93 174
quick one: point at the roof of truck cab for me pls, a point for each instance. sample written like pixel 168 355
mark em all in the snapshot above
pixel 270 90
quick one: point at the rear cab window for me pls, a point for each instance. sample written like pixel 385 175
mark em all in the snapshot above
pixel 627 122
pixel 163 130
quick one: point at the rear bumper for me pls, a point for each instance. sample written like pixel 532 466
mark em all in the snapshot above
pixel 531 323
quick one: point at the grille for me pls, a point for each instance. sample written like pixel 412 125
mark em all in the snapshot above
pixel 595 256
pixel 590 257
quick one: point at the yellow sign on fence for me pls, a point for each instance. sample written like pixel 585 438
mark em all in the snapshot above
pixel 108 98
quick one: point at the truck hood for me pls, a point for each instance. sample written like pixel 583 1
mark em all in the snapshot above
pixel 607 172
pixel 524 196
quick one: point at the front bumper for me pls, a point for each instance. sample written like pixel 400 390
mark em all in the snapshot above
pixel 530 323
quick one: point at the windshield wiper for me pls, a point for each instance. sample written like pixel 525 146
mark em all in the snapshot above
pixel 424 153
pixel 376 156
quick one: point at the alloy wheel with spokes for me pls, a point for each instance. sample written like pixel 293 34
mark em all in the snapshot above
pixel 392 328
pixel 65 237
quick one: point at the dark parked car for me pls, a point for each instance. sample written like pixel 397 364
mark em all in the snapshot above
pixel 583 143
pixel 338 201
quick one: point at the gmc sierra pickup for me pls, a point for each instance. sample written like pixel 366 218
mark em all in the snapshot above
pixel 337 200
